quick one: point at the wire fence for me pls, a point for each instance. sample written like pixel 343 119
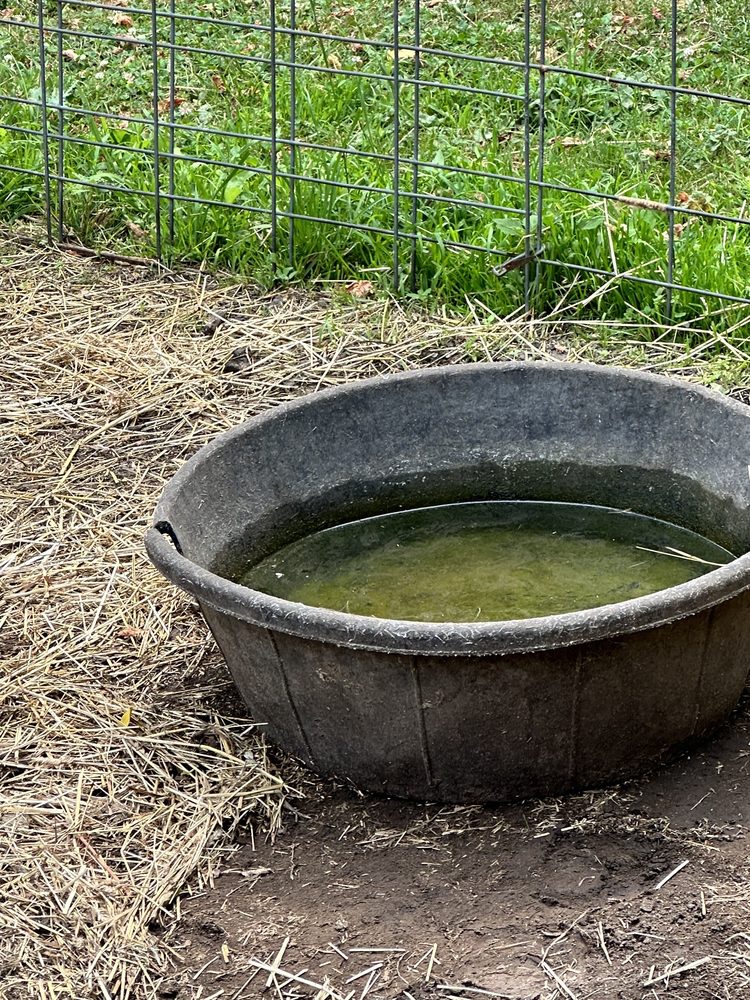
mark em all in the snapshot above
pixel 432 144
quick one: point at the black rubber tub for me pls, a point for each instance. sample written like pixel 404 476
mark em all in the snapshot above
pixel 485 711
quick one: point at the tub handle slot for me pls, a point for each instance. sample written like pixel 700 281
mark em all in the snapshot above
pixel 166 529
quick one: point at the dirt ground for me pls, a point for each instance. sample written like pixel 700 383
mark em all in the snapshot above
pixel 567 898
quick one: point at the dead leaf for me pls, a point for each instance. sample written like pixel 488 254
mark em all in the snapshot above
pixel 657 14
pixel 360 289
pixel 333 61
pixel 241 359
pixel 138 231
pixel 661 155
pixel 679 229
pixel 70 56
pixel 122 20
pixel 683 198
pixel 404 55
pixel 125 717
pixel 175 103
pixel 569 141
pixel 625 22
pixel 218 82
pixel 130 633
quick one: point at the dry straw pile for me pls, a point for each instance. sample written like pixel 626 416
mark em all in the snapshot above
pixel 120 784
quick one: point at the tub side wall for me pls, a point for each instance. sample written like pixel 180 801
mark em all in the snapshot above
pixel 726 662
pixel 495 728
pixel 346 713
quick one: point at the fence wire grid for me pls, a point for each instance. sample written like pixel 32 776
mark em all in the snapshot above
pixel 428 138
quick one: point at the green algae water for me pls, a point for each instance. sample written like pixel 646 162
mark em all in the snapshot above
pixel 488 561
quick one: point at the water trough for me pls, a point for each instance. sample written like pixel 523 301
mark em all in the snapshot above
pixel 485 711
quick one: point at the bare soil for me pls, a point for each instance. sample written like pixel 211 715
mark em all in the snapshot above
pixel 533 901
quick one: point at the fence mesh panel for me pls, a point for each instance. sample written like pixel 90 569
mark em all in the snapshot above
pixel 500 145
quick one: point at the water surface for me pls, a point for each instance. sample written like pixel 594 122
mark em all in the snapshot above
pixel 488 561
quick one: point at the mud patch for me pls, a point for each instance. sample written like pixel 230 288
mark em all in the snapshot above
pixel 564 898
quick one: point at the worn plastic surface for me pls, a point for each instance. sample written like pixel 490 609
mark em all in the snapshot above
pixel 485 711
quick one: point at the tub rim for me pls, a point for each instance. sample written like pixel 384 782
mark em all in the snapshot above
pixel 437 638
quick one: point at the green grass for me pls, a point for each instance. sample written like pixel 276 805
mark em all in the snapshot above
pixel 597 137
